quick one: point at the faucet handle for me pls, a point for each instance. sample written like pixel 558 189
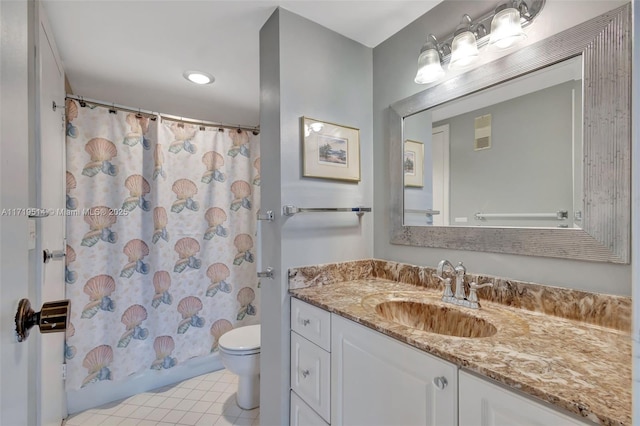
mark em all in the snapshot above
pixel 473 296
pixel 447 286
pixel 444 280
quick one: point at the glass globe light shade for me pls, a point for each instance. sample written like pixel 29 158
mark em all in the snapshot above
pixel 506 29
pixel 429 68
pixel 464 50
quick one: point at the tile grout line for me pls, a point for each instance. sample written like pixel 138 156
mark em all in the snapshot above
pixel 197 392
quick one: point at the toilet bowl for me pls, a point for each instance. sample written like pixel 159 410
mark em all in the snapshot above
pixel 240 354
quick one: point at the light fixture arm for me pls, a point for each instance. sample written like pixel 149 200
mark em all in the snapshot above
pixel 431 43
pixel 465 25
pixel 479 30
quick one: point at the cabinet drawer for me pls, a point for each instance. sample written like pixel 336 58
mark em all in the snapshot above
pixel 302 414
pixel 310 374
pixel 311 323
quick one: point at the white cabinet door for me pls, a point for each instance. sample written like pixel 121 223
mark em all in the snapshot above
pixel 302 414
pixel 376 380
pixel 310 374
pixel 483 403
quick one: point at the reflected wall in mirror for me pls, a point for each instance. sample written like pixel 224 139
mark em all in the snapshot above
pixel 597 205
pixel 510 155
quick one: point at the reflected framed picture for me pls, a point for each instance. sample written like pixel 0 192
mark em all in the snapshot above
pixel 330 151
pixel 413 164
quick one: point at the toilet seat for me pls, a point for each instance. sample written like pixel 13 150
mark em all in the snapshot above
pixel 241 341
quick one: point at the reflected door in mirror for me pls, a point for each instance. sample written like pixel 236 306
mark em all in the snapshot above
pixel 428 203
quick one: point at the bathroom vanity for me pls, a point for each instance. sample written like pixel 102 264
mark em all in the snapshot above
pixel 360 355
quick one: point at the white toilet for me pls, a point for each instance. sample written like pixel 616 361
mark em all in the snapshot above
pixel 240 354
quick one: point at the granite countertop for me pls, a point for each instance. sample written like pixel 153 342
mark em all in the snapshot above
pixel 577 366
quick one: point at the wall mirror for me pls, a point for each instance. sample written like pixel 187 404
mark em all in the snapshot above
pixel 528 154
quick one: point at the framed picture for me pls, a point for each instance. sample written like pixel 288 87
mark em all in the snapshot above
pixel 330 151
pixel 413 164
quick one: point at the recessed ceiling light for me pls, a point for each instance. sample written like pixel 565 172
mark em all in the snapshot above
pixel 198 77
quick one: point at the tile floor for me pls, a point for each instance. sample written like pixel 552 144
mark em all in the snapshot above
pixel 207 400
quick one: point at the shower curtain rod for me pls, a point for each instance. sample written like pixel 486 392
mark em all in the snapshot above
pixel 153 114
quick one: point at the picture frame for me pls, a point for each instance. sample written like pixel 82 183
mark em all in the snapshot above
pixel 330 151
pixel 413 164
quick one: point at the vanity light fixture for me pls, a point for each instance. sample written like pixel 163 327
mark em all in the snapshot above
pixel 429 62
pixel 198 77
pixel 506 28
pixel 462 48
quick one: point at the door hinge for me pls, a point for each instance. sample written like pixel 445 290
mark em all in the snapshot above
pixel 64 371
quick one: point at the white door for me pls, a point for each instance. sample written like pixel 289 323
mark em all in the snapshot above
pixel 16 379
pixel 51 192
pixel 440 157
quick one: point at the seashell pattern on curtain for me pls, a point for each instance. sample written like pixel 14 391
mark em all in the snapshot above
pixel 161 250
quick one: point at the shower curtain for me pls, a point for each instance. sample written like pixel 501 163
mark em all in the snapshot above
pixel 161 224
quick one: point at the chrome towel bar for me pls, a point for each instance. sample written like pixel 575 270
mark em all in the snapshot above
pixel 289 210
pixel 559 215
pixel 428 212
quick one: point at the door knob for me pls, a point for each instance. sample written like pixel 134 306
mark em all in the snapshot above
pixel 52 318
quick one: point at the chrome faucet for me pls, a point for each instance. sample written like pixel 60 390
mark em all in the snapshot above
pixel 442 265
pixel 460 297
pixel 460 271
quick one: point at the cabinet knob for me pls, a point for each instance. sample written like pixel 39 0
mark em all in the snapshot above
pixel 440 382
pixel 306 322
pixel 305 373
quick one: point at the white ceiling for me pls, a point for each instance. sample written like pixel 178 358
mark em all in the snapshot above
pixel 133 52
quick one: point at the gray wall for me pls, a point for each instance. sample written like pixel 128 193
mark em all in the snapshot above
pixel 306 70
pixel 274 357
pixel 394 68
pixel 528 168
